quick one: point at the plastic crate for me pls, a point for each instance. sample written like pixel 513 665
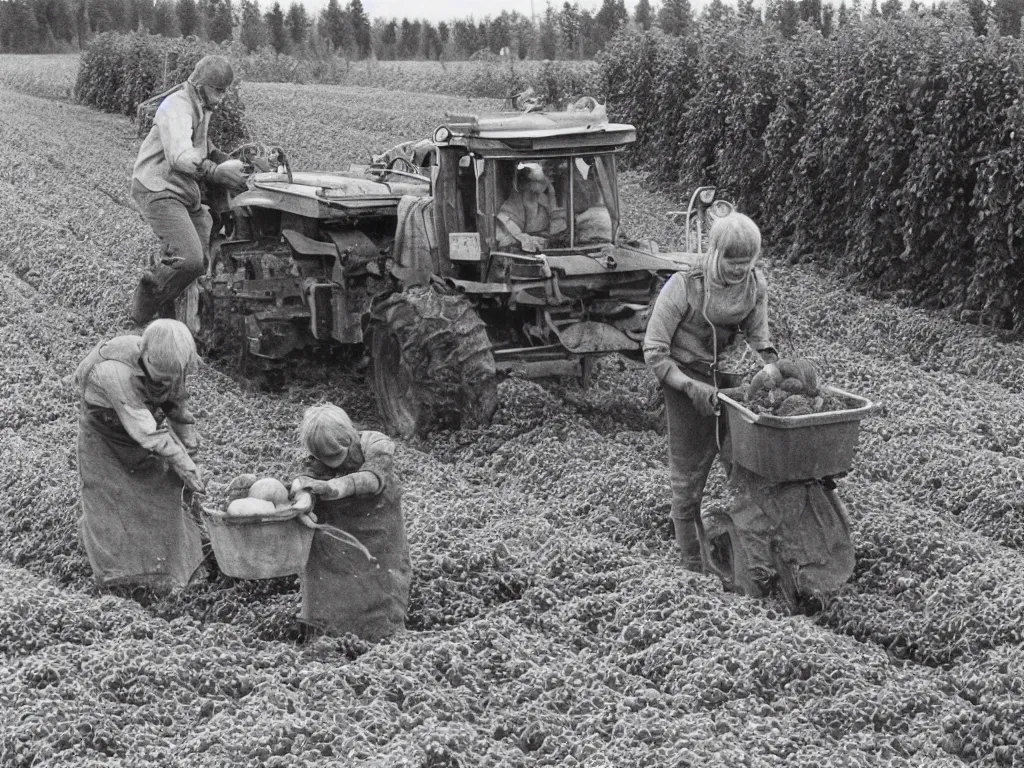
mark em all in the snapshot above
pixel 789 448
pixel 263 547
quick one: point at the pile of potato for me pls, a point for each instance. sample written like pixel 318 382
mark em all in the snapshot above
pixel 786 388
pixel 252 497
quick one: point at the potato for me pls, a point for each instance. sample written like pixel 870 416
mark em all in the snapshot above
pixel 250 507
pixel 808 374
pixel 270 489
pixel 774 373
pixel 239 487
pixel 762 380
pixel 792 385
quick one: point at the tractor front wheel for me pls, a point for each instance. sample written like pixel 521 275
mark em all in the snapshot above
pixel 431 360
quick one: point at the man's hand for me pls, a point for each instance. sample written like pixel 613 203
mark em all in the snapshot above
pixel 308 519
pixel 532 243
pixel 229 174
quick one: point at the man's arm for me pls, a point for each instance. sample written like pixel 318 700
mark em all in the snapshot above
pixel 174 124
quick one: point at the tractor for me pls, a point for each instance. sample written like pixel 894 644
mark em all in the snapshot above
pixel 404 256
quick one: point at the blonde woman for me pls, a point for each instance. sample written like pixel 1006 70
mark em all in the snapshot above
pixel 135 437
pixel 350 473
pixel 698 315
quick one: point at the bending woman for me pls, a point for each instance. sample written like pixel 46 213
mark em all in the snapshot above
pixel 696 314
pixel 134 441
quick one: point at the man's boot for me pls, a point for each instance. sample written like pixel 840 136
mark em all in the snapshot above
pixel 142 309
pixel 689 545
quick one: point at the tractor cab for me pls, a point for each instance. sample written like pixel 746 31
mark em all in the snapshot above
pixel 476 192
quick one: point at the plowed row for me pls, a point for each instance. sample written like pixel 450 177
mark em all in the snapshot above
pixel 549 624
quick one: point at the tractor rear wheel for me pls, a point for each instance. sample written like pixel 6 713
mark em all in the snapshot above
pixel 431 362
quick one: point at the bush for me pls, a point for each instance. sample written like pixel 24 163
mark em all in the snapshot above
pixel 888 146
pixel 118 72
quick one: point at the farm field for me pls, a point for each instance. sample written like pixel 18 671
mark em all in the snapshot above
pixel 549 624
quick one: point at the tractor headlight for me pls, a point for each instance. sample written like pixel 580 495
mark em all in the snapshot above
pixel 720 209
pixel 707 195
pixel 442 134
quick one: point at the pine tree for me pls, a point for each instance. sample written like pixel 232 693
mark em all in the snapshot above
pixel 643 14
pixel 549 33
pixel 609 19
pixel 978 12
pixel 747 13
pixel 891 9
pixel 1007 14
pixel 220 21
pixel 332 25
pixel 360 25
pixel 252 33
pixel 274 19
pixel 828 13
pixel 188 18
pixel 165 19
pixel 675 17
pixel 296 23
pixel 389 40
pixel 716 11
pixel 569 26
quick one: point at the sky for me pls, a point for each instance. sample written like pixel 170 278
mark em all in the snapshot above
pixel 445 10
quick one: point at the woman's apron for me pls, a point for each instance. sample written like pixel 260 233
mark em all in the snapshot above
pixel 341 590
pixel 133 525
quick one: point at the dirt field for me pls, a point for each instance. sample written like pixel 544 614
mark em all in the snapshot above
pixel 549 624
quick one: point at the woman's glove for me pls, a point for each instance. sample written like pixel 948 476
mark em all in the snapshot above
pixel 319 488
pixel 194 481
pixel 702 395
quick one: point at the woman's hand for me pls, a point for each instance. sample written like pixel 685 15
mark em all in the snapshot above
pixel 702 395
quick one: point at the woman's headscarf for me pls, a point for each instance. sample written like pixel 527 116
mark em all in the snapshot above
pixel 168 355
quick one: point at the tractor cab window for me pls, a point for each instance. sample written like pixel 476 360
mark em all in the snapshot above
pixel 555 203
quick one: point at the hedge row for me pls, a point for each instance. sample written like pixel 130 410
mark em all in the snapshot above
pixel 888 148
pixel 118 72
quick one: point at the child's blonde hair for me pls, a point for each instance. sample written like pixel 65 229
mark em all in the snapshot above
pixel 327 431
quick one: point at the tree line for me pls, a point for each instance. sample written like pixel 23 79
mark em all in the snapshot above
pixel 560 32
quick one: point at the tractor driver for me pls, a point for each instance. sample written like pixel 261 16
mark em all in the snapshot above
pixel 173 158
pixel 530 215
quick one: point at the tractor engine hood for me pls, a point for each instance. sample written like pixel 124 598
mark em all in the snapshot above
pixel 324 195
pixel 609 259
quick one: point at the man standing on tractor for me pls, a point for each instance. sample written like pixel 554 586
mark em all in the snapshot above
pixel 695 318
pixel 173 159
